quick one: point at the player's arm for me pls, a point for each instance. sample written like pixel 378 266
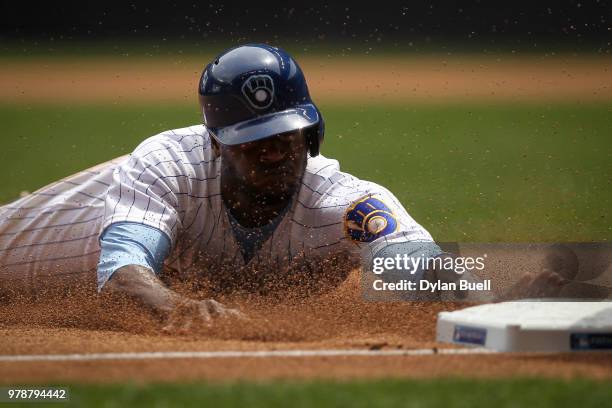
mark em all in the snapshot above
pixel 180 314
pixel 381 226
pixel 141 285
pixel 442 268
pixel 132 255
pixel 144 210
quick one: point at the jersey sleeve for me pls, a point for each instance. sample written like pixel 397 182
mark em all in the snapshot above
pixel 150 187
pixel 359 215
pixel 382 228
pixel 375 214
pixel 127 243
pixel 376 222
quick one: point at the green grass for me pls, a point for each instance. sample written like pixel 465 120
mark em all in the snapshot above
pixel 44 143
pixel 498 172
pixel 447 393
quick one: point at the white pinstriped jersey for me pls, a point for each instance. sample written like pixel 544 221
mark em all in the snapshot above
pixel 172 182
pixel 53 232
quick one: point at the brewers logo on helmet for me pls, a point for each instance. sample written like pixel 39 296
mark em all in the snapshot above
pixel 259 91
pixel 256 91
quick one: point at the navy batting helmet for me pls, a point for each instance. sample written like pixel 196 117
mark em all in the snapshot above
pixel 257 91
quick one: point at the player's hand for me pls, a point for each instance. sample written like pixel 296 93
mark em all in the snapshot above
pixel 544 284
pixel 190 316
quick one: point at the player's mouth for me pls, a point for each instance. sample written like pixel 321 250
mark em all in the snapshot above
pixel 275 170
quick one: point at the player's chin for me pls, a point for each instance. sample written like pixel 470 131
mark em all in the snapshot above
pixel 276 180
pixel 279 192
pixel 282 191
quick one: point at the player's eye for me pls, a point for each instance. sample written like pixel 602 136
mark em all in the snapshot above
pixel 286 139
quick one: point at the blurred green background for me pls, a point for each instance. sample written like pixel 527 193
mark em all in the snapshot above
pixel 444 393
pixel 466 171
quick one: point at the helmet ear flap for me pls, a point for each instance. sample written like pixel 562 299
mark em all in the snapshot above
pixel 314 138
pixel 313 144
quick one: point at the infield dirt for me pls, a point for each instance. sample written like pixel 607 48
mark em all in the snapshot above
pixel 337 320
pixel 567 78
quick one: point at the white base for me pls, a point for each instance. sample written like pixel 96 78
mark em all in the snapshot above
pixel 530 326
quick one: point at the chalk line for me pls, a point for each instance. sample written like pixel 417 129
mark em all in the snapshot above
pixel 242 354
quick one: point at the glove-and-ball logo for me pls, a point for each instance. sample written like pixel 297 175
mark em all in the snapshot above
pixel 259 91
pixel 368 219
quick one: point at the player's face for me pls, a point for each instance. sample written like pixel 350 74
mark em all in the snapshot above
pixel 271 167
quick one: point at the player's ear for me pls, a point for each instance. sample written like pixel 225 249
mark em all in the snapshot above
pixel 215 146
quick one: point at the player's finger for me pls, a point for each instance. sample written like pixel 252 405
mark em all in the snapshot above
pixel 169 328
pixel 179 317
pixel 554 279
pixel 550 283
pixel 204 315
pixel 545 282
pixel 185 327
pixel 526 279
pixel 236 314
pixel 560 280
pixel 541 278
pixel 218 310
pixel 524 286
pixel 215 308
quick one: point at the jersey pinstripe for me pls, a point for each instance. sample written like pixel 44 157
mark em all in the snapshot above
pixel 172 182
pixel 53 232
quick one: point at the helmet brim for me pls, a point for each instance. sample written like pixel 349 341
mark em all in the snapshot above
pixel 262 127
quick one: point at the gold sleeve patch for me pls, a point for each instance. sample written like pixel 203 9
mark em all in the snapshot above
pixel 369 218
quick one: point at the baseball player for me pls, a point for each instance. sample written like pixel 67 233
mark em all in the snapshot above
pixel 242 198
